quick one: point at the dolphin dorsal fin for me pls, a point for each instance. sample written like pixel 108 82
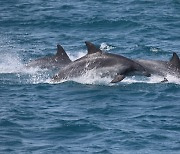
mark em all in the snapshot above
pixel 92 48
pixel 62 54
pixel 175 60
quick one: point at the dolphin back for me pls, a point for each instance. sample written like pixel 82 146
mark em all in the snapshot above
pixel 175 61
pixel 58 60
pixel 62 55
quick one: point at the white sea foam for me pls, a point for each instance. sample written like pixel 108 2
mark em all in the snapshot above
pixel 152 79
pixel 11 63
pixel 92 78
pixel 173 79
pixel 106 47
pixel 74 56
pixel 77 55
pixel 40 77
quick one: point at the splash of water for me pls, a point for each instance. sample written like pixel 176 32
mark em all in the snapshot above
pixel 91 77
pixel 106 47
pixel 77 55
pixel 11 63
pixel 152 79
pixel 81 53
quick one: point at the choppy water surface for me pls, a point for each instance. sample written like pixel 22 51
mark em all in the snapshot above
pixel 87 115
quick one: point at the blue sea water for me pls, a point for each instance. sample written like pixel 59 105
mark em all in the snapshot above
pixel 87 115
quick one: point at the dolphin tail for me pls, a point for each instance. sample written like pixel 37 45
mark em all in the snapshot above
pixel 62 54
pixel 175 60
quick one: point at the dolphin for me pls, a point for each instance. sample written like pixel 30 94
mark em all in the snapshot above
pixel 104 64
pixel 162 68
pixel 58 60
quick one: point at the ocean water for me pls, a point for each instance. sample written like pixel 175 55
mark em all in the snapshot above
pixel 87 115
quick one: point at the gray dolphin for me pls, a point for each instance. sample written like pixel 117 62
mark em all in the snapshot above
pixel 58 60
pixel 162 68
pixel 104 64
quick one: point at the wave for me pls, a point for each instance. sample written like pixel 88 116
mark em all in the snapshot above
pixel 92 78
pixel 13 70
pixel 13 64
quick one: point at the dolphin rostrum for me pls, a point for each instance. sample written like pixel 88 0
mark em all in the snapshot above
pixel 104 64
pixel 58 60
pixel 162 68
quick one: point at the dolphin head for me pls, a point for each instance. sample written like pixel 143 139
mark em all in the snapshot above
pixel 140 70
